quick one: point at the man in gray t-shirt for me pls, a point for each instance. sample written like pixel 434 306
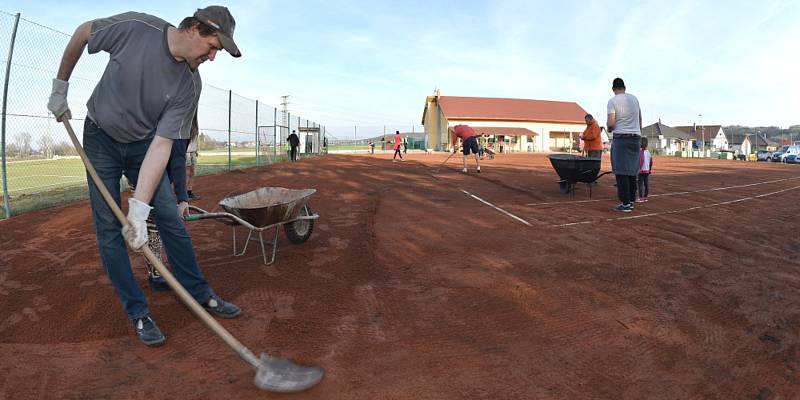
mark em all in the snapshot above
pixel 625 121
pixel 146 98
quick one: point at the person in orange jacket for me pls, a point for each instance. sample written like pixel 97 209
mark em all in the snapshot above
pixel 592 139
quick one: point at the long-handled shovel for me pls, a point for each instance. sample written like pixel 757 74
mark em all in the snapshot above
pixel 272 373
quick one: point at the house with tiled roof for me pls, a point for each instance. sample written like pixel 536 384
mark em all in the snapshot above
pixel 521 124
pixel 663 139
pixel 749 142
pixel 713 135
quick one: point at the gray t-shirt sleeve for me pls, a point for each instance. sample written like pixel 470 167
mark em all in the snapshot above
pixel 109 34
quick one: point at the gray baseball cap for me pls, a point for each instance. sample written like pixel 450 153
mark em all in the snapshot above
pixel 219 18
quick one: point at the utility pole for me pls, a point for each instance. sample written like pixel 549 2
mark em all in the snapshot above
pixel 285 109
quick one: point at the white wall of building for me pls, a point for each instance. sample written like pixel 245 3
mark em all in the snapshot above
pixel 540 142
pixel 720 141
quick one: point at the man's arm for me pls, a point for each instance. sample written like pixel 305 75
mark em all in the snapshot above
pixel 57 103
pixel 611 121
pixel 153 166
pixel 640 119
pixel 74 50
pixel 591 133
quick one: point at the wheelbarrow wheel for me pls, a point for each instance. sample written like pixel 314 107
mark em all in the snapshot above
pixel 564 186
pixel 299 231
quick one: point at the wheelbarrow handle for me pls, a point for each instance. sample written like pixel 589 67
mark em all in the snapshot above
pixel 197 217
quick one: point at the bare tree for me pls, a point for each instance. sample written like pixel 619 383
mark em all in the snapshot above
pixel 23 142
pixel 64 149
pixel 46 146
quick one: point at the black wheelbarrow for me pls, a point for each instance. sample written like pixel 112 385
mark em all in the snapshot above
pixel 263 209
pixel 573 169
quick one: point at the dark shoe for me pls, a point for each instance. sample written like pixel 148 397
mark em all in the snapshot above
pixel 157 282
pixel 148 332
pixel 221 308
pixel 192 196
pixel 626 208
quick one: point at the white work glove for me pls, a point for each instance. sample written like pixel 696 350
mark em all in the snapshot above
pixel 58 100
pixel 183 209
pixel 136 233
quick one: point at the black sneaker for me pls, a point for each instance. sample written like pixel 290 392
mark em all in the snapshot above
pixel 626 208
pixel 192 196
pixel 148 331
pixel 157 282
pixel 221 308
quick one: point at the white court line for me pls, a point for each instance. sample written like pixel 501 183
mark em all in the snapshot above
pixel 677 211
pixel 671 193
pixel 496 208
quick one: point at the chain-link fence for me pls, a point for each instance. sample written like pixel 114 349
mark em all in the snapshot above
pixel 39 165
pixel 373 138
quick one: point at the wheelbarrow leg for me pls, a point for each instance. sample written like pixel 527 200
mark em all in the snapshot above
pixel 246 242
pixel 234 240
pixel 274 242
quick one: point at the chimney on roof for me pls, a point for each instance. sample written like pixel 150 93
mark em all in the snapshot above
pixel 436 92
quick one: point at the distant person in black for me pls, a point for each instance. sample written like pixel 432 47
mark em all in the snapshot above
pixel 294 143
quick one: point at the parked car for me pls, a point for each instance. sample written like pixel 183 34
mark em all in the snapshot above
pixel 776 156
pixel 791 159
pixel 791 150
pixel 763 155
pixel 784 150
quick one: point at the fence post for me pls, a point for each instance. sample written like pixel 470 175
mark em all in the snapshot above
pixel 275 134
pixel 6 205
pixel 298 135
pixel 230 96
pixel 257 144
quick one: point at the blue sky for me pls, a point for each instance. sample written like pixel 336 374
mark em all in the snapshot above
pixel 372 63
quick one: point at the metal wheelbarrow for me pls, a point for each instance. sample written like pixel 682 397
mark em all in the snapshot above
pixel 263 209
pixel 573 169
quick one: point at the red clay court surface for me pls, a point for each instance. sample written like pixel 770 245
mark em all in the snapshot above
pixel 410 288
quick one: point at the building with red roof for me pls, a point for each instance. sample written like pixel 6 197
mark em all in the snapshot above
pixel 522 124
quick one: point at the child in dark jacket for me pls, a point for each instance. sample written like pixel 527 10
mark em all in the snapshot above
pixel 645 168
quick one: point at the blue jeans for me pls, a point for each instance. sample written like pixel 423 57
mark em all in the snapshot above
pixel 111 159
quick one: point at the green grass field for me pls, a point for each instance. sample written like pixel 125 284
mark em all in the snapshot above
pixel 36 184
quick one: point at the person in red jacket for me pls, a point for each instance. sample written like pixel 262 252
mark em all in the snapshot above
pixel 398 146
pixel 469 143
pixel 592 140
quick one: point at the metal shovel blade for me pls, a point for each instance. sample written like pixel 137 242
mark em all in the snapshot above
pixel 281 375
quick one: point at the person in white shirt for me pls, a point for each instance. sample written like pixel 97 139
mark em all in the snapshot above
pixel 625 122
